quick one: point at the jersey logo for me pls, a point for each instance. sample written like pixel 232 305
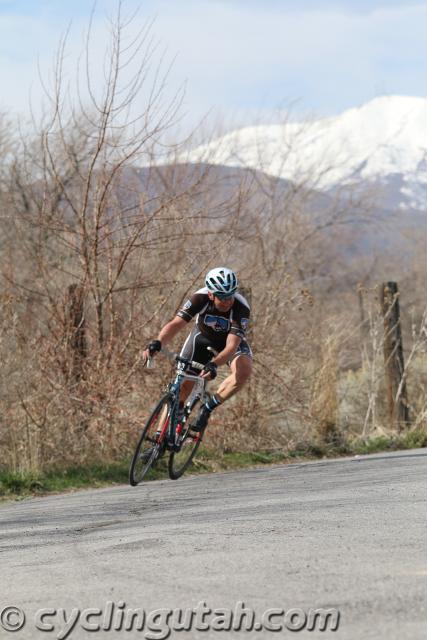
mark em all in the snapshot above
pixel 244 323
pixel 217 323
pixel 187 305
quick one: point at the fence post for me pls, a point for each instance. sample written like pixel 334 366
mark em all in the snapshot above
pixel 393 356
pixel 76 331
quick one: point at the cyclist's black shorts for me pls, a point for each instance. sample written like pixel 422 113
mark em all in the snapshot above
pixel 196 348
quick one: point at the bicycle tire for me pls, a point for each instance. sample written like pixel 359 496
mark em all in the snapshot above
pixel 147 441
pixel 179 461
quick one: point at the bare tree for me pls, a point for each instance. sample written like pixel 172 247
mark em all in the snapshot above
pixel 97 213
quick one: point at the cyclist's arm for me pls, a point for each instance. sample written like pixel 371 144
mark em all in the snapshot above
pixel 170 329
pixel 166 334
pixel 229 350
pixel 186 313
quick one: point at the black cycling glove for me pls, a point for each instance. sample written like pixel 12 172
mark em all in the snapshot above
pixel 211 368
pixel 154 346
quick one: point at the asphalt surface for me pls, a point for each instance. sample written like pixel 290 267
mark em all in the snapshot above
pixel 348 534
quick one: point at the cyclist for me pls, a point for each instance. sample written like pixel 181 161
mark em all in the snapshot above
pixel 222 316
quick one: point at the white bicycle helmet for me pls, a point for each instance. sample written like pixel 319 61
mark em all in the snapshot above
pixel 221 281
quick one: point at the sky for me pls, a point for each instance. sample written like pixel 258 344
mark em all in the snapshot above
pixel 238 59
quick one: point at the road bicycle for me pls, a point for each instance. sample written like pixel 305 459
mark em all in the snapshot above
pixel 169 429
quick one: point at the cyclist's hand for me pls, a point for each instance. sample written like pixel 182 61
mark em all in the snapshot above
pixel 151 349
pixel 209 371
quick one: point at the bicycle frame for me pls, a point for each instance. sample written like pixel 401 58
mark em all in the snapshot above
pixel 174 388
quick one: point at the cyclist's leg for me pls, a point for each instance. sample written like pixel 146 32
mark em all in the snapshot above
pixel 194 348
pixel 241 369
pixel 240 372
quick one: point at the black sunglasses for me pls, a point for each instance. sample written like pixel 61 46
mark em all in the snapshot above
pixel 227 296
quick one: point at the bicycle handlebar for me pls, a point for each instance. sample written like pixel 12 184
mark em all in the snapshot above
pixel 190 363
pixel 177 358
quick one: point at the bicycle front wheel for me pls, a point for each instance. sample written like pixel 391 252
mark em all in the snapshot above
pixel 151 443
pixel 179 461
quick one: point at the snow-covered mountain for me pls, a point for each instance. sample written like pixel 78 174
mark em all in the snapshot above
pixel 383 142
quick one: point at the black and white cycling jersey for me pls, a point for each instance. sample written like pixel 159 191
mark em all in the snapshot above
pixel 213 323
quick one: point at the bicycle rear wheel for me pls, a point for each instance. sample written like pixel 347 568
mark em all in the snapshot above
pixel 179 461
pixel 150 446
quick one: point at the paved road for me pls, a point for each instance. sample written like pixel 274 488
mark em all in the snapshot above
pixel 348 533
